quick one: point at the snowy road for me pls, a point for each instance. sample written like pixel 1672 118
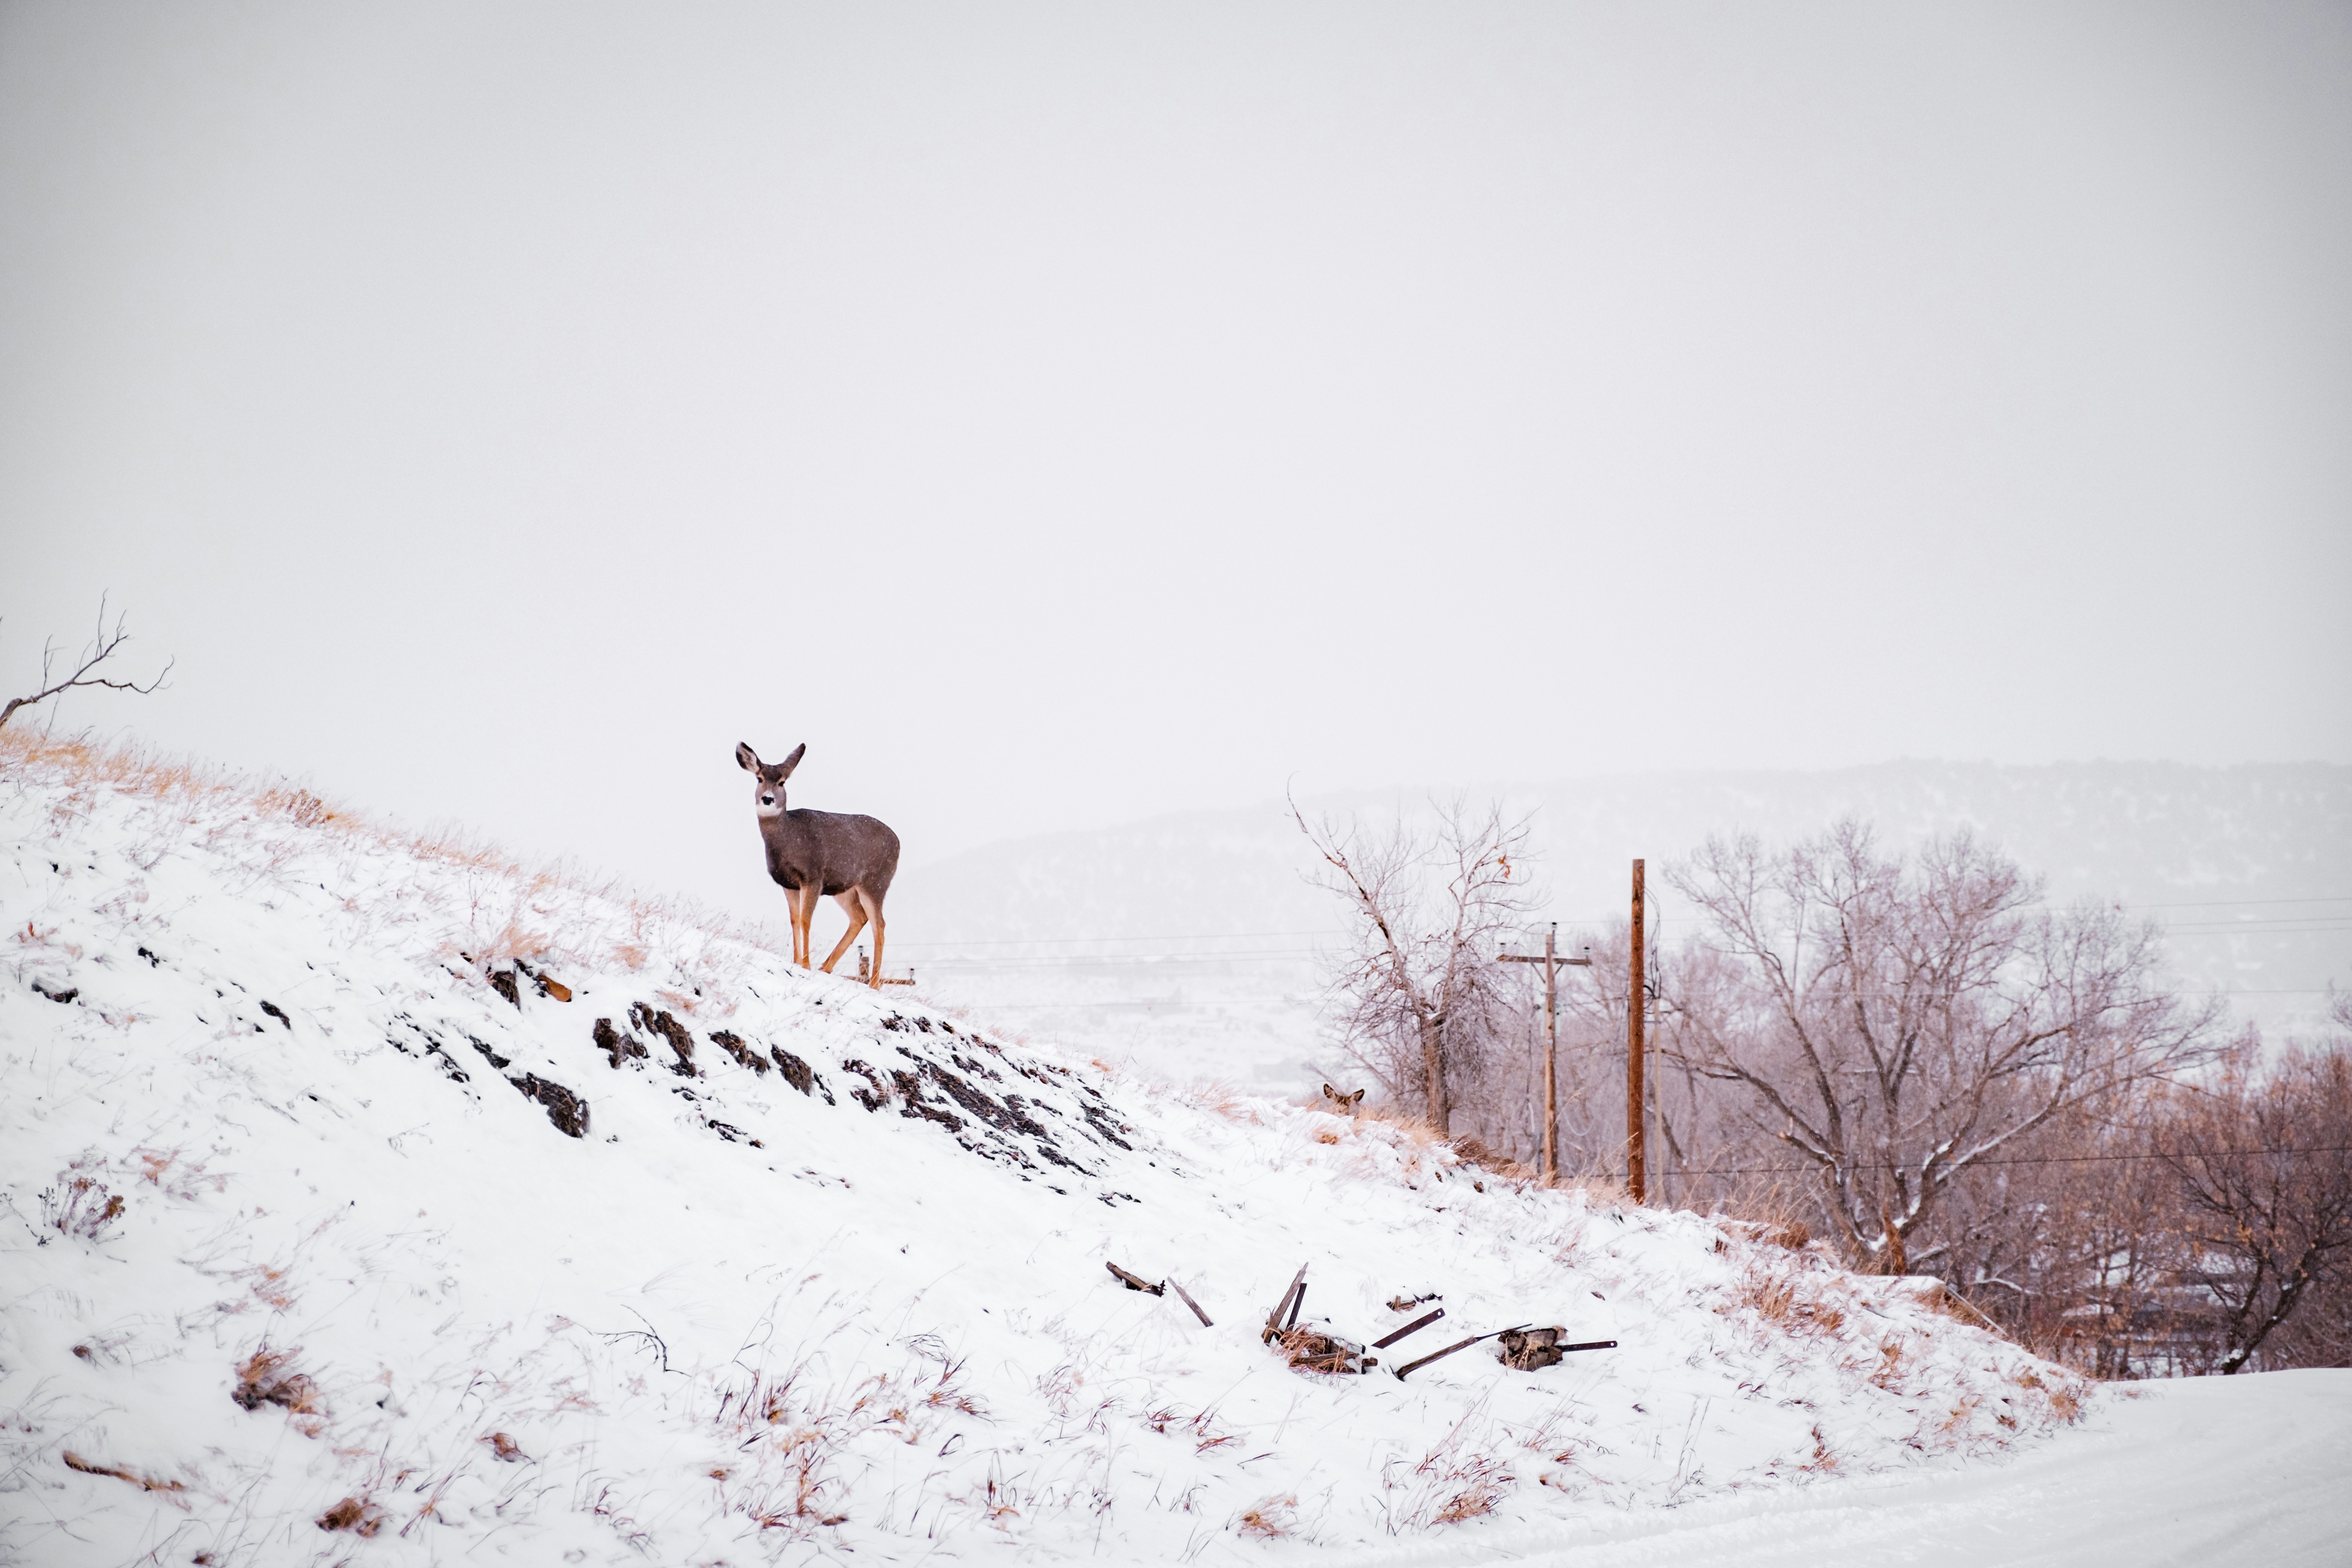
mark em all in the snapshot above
pixel 2212 1471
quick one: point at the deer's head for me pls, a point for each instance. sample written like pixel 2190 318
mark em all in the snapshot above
pixel 767 778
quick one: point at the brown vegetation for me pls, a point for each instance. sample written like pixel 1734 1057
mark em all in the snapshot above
pixel 1910 1063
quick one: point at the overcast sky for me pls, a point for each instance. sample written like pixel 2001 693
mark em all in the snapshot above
pixel 1059 415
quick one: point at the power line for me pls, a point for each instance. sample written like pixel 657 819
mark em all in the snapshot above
pixel 2014 1160
pixel 1180 936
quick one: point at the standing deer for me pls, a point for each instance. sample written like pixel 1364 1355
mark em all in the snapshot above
pixel 822 854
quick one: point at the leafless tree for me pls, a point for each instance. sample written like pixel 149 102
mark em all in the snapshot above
pixel 103 646
pixel 2266 1178
pixel 1899 1021
pixel 1417 990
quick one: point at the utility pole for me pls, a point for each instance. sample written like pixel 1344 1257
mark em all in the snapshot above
pixel 1553 963
pixel 1635 1120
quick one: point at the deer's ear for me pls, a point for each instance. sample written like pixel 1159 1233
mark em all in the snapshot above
pixel 785 769
pixel 746 758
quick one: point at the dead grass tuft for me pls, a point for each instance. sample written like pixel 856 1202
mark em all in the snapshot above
pixel 266 1377
pixel 357 1515
pixel 122 1473
pixel 1474 1152
pixel 1786 1301
pixel 80 1206
pixel 1273 1517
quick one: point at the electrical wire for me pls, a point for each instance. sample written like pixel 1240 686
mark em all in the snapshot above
pixel 2012 1160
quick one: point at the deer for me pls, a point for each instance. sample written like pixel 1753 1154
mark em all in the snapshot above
pixel 822 854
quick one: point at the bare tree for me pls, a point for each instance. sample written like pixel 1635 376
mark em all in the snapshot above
pixel 1900 1022
pixel 1418 991
pixel 103 647
pixel 2265 1177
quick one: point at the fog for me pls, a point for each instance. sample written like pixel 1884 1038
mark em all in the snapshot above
pixel 1056 416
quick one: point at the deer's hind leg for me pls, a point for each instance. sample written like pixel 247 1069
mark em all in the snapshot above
pixel 847 899
pixel 874 908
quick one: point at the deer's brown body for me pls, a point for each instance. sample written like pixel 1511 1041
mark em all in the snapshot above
pixel 822 854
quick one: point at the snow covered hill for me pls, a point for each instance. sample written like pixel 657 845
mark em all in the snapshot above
pixel 372 1199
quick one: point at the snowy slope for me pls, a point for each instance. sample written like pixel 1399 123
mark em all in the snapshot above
pixel 368 1295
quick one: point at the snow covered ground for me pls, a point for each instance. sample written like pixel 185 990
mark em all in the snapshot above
pixel 333 1232
pixel 2209 1471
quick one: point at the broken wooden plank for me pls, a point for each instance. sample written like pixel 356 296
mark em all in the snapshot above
pixel 1187 1295
pixel 1133 1281
pixel 1273 1318
pixel 1297 1299
pixel 1415 1327
pixel 1458 1345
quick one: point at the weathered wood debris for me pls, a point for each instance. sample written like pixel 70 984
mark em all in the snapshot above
pixel 1532 1350
pixel 1310 1347
pixel 1137 1282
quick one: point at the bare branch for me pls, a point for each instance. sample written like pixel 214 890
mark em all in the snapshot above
pixel 103 647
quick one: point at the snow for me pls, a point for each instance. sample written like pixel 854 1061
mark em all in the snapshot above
pixel 738 1322
pixel 2254 1468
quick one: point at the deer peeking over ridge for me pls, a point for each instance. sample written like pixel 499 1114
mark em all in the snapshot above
pixel 822 854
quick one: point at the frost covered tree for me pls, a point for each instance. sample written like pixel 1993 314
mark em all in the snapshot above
pixel 1899 1021
pixel 1416 991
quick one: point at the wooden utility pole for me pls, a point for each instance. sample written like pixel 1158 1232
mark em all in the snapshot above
pixel 1553 963
pixel 1635 1120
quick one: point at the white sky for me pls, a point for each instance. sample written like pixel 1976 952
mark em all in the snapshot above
pixel 1057 415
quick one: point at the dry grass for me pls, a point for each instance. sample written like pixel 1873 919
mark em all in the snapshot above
pixel 1785 1300
pixel 122 1473
pixel 1273 1517
pixel 1456 1480
pixel 80 1206
pixel 357 1515
pixel 281 824
pixel 267 1377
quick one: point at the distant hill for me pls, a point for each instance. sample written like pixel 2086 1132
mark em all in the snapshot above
pixel 2249 867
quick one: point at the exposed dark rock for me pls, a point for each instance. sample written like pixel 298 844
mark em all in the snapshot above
pixel 566 1108
pixel 616 1045
pixel 1104 1127
pixel 796 1071
pixel 880 1094
pixel 153 962
pixel 495 1061
pixel 272 1009
pixel 502 981
pixel 654 1021
pixel 732 1043
pixel 1001 1118
pixel 911 1089
pixel 66 996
